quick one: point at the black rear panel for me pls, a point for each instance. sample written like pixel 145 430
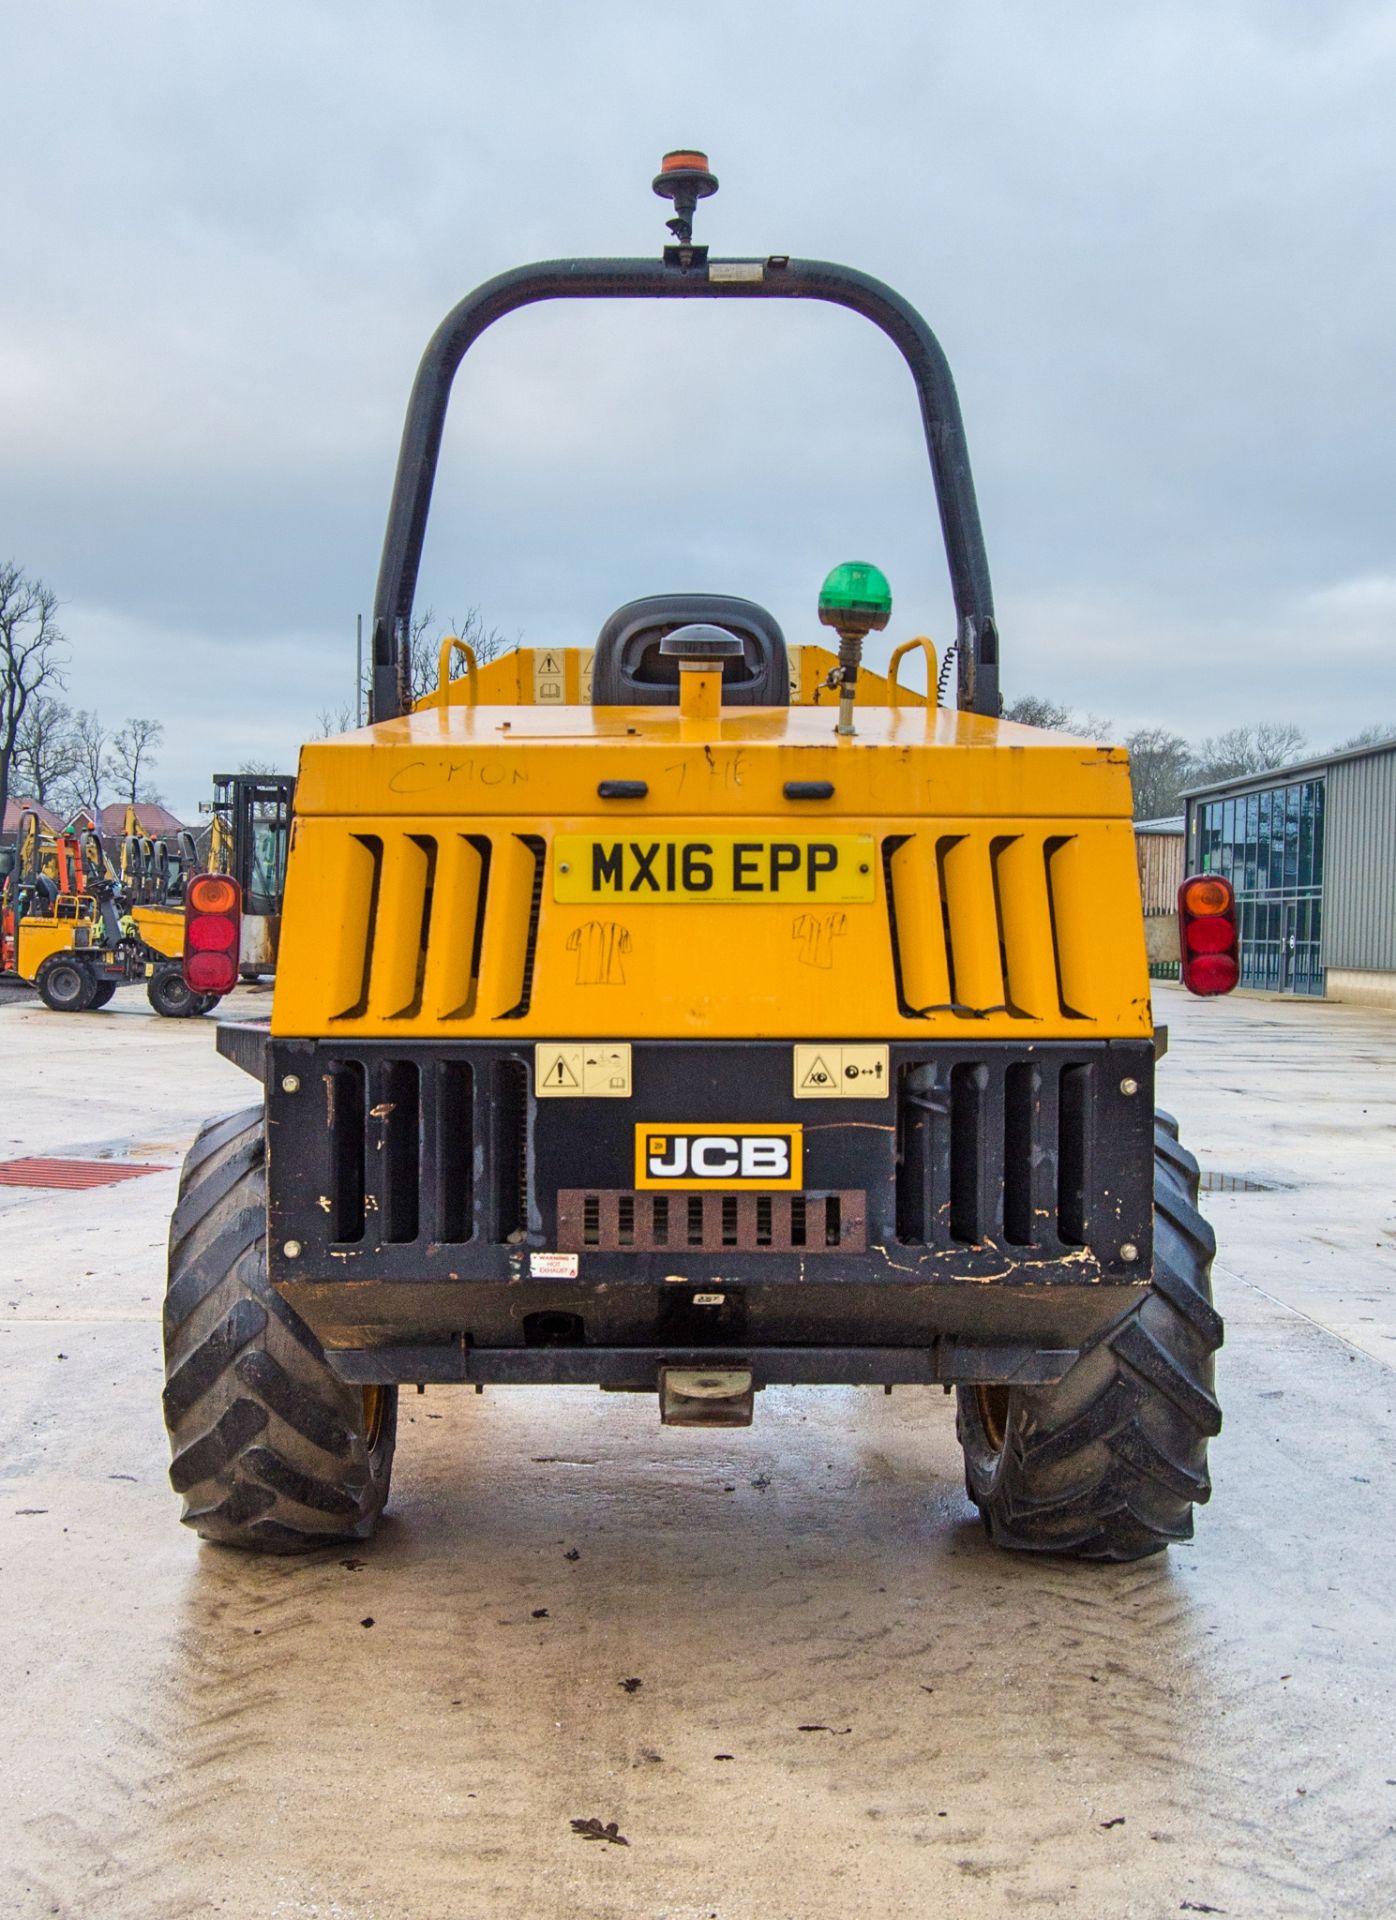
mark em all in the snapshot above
pixel 1000 1193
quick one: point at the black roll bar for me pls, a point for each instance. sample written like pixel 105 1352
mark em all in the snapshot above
pixel 776 278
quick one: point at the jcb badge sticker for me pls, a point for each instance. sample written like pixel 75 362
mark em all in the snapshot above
pixel 717 1156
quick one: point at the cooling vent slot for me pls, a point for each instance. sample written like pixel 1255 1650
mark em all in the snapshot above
pixel 983 923
pixel 994 1152
pixel 400 1147
pixel 618 1221
pixel 436 926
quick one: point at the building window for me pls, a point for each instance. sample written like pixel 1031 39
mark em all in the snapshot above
pixel 1269 845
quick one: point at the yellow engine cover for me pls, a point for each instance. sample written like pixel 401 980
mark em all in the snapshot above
pixel 161 928
pixel 457 873
pixel 38 940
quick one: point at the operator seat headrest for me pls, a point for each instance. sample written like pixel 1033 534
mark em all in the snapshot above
pixel 630 671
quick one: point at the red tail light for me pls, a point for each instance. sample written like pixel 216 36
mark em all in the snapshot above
pixel 212 933
pixel 1211 957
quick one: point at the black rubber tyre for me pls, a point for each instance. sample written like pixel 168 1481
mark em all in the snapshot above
pixel 168 993
pixel 1109 1463
pixel 271 1450
pixel 66 984
pixel 102 996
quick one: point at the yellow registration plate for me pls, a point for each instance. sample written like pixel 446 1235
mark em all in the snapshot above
pixel 715 870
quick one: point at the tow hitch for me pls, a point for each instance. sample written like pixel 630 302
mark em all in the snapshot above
pixel 705 1396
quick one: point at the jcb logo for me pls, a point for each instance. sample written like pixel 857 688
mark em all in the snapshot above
pixel 727 1157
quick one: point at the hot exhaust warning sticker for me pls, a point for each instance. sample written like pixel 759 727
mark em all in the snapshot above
pixel 718 870
pixel 730 1157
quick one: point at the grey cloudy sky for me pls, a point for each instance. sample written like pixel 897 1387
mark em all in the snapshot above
pixel 1155 238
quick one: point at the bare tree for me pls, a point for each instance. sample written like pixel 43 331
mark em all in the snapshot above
pixel 1369 737
pixel 424 651
pixel 45 750
pixel 425 645
pixel 92 764
pixel 1160 764
pixel 1271 743
pixel 31 644
pixel 330 721
pixel 1032 710
pixel 132 755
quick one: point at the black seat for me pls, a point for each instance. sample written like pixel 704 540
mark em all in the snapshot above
pixel 629 670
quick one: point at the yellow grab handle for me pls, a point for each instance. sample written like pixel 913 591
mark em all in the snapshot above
pixel 452 643
pixel 893 690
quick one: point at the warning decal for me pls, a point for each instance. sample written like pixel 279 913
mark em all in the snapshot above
pixel 549 677
pixel 819 1076
pixel 841 1073
pixel 553 1266
pixel 593 1070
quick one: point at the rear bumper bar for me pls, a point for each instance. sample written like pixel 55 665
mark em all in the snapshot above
pixel 637 1368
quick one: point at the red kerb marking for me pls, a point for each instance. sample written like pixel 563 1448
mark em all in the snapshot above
pixel 70 1173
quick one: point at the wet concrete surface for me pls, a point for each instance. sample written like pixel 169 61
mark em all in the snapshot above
pixel 847 1704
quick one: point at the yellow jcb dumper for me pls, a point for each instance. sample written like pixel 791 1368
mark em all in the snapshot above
pixel 62 929
pixel 688 1012
pixel 81 931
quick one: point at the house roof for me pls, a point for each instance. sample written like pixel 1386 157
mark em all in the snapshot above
pixel 17 808
pixel 151 819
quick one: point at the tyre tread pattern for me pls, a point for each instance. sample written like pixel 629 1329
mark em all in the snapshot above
pixel 1109 1463
pixel 268 1447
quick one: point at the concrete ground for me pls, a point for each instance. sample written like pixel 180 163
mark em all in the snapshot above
pixel 784 1661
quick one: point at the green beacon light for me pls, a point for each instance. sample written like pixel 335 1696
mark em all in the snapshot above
pixel 855 601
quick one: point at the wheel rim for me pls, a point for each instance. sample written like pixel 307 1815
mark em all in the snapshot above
pixel 65 983
pixel 173 993
pixel 375 1409
pixel 992 1404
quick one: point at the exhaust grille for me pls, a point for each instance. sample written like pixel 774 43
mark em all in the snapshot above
pixel 400 1165
pixel 619 1221
pixel 1000 1153
pixel 435 925
pixel 984 923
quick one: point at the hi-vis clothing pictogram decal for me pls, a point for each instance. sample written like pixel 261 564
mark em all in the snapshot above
pixel 599 945
pixel 817 933
pixel 593 1069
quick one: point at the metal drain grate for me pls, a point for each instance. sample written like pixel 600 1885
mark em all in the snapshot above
pixel 1237 1183
pixel 71 1174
